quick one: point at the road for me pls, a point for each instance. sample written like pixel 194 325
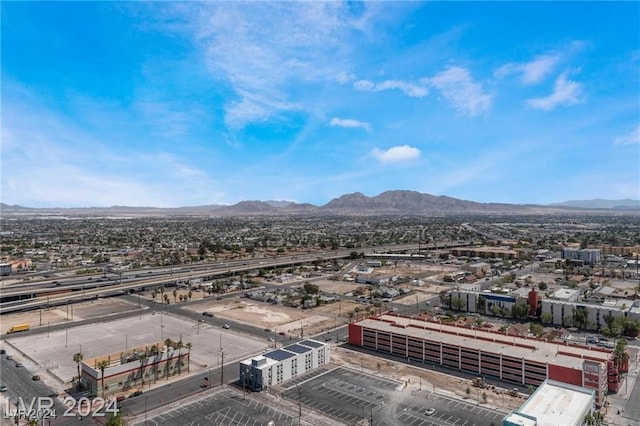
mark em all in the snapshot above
pixel 20 386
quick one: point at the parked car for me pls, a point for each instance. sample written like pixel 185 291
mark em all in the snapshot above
pixel 18 364
pixel 136 393
pixel 35 378
pixel 3 388
pixel 430 412
pixel 226 326
pixel 2 351
pixel 9 357
pixel 207 314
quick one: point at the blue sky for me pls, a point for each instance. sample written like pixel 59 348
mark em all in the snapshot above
pixel 190 103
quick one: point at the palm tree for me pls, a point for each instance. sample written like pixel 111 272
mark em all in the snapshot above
pixel 190 294
pixel 154 352
pixel 175 295
pixel 77 358
pixel 142 357
pixel 179 345
pixel 188 346
pixel 102 365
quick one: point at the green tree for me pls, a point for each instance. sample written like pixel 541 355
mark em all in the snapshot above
pixel 188 346
pixel 77 358
pixel 580 318
pixel 620 354
pixel 495 310
pixel 457 303
pixel 115 420
pixel 536 329
pixel 102 365
pixel 142 358
pixel 542 285
pixel 481 305
pixel 153 351
pixel 546 318
pixel 311 288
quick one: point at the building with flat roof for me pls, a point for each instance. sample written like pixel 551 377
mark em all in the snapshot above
pixel 552 404
pixel 519 360
pixel 134 367
pixel 279 365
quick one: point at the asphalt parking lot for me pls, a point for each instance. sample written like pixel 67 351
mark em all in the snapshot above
pixel 448 411
pixel 350 396
pixel 223 407
pixel 344 394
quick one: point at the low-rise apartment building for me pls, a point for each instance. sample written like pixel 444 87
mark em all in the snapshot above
pixel 280 365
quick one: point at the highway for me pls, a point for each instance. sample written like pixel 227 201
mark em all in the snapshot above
pixel 135 280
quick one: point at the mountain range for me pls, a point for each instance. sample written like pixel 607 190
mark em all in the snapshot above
pixel 397 202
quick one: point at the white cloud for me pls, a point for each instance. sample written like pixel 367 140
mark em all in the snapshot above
pixel 58 163
pixel 565 92
pixel 350 123
pixel 266 51
pixel 531 72
pixel 458 87
pixel 345 77
pixel 396 154
pixel 632 138
pixel 409 89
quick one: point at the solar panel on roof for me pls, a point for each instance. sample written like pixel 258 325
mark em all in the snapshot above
pixel 311 343
pixel 297 349
pixel 279 355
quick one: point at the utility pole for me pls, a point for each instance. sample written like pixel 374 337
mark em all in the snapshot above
pixel 299 405
pixel 221 367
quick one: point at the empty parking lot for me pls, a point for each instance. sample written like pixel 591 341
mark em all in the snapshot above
pixel 353 397
pixel 222 407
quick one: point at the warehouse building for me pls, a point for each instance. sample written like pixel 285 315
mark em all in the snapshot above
pixel 518 360
pixel 280 365
pixel 552 404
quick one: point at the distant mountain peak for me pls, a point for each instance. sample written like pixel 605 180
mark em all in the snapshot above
pixel 599 203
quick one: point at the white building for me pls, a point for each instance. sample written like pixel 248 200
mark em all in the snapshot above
pixel 566 294
pixel 552 404
pixel 588 256
pixel 280 365
pixel 558 312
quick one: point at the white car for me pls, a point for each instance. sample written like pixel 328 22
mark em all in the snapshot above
pixel 226 326
pixel 430 411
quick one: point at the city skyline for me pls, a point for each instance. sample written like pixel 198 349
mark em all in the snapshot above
pixel 175 104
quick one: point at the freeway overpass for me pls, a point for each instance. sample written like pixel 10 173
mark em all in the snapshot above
pixel 27 296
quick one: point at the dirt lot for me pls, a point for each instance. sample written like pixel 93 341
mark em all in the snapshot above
pixel 85 310
pixel 282 318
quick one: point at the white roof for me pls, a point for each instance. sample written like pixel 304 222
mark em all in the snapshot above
pixel 564 293
pixel 555 403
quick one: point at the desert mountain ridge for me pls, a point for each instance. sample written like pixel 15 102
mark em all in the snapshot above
pixel 394 202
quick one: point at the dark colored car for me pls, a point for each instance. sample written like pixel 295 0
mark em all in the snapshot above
pixel 136 393
pixel 35 378
pixel 207 314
